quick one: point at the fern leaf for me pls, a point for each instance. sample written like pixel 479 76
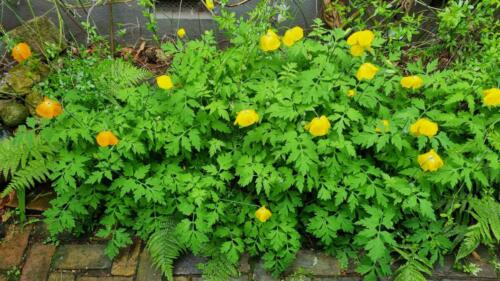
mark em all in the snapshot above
pixel 470 243
pixel 219 268
pixel 165 248
pixel 409 273
pixel 35 171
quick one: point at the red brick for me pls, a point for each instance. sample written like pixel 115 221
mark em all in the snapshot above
pixel 37 264
pixel 13 246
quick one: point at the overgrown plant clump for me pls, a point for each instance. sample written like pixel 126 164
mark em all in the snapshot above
pixel 250 148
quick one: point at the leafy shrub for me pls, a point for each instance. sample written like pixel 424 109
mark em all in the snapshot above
pixel 179 173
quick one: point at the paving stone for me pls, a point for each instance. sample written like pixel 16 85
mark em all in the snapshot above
pixel 244 264
pixel 447 270
pixel 338 279
pixel 146 271
pixel 37 264
pixel 187 265
pixel 61 276
pixel 81 257
pixel 243 277
pixel 126 263
pixel 13 246
pixel 315 263
pixel 260 274
pixel 114 278
pixel 181 278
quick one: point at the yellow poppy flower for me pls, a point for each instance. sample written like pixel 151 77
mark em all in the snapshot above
pixel 263 214
pixel 430 161
pixel 491 97
pixel 412 82
pixel 292 36
pixel 366 71
pixel 209 4
pixel 424 127
pixel 106 138
pixel 21 52
pixel 164 82
pixel 360 41
pixel 269 41
pixel 386 124
pixel 49 108
pixel 181 32
pixel 351 93
pixel 319 126
pixel 246 118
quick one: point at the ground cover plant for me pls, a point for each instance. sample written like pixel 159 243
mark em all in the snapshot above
pixel 282 135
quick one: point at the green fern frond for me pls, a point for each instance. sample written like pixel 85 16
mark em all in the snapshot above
pixel 486 212
pixel 219 268
pixel 164 247
pixel 35 171
pixel 121 73
pixel 409 272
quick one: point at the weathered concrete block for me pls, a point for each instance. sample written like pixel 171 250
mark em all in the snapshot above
pixel 81 257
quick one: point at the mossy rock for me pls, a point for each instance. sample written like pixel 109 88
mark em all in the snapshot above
pixel 32 100
pixel 20 78
pixel 40 33
pixel 13 114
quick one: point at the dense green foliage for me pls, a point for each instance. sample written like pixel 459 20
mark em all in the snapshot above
pixel 184 177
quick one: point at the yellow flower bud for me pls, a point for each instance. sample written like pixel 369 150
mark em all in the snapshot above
pixel 164 82
pixel 246 118
pixel 366 71
pixel 209 4
pixel 269 41
pixel 386 124
pixel 430 161
pixel 263 214
pixel 412 82
pixel 319 126
pixel 181 32
pixel 491 97
pixel 351 93
pixel 292 36
pixel 424 127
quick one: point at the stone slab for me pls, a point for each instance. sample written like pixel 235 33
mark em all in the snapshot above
pixel 61 276
pixel 13 246
pixel 126 263
pixel 37 264
pixel 338 279
pixel 81 257
pixel 243 277
pixel 244 264
pixel 181 278
pixel 112 278
pixel 260 274
pixel 146 271
pixel 315 263
pixel 187 265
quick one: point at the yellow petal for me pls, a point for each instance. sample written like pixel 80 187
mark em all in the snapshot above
pixel 269 41
pixel 319 126
pixel 246 118
pixel 181 32
pixel 365 38
pixel 412 82
pixel 491 97
pixel 357 50
pixel 164 82
pixel 366 71
pixel 430 161
pixel 263 214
